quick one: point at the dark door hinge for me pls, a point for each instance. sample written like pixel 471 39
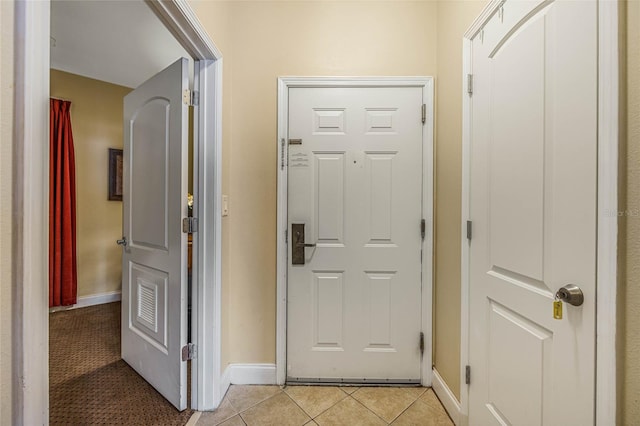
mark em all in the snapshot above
pixel 189 225
pixel 469 229
pixel 470 84
pixel 423 228
pixel 424 113
pixel 467 375
pixel 189 352
pixel 421 343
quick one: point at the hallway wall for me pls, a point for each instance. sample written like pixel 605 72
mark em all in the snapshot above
pixel 268 40
pixel 96 120
pixel 6 182
pixel 454 17
pixel 630 295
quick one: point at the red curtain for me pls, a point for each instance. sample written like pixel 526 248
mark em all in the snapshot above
pixel 63 278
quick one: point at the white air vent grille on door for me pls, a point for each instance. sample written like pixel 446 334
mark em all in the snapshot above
pixel 147 304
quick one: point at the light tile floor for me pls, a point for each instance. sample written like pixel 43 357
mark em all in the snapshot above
pixel 327 405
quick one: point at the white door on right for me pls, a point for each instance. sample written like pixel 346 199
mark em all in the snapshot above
pixel 533 210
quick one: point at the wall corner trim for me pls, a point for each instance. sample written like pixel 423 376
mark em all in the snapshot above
pixel 250 374
pixel 225 382
pixel 447 398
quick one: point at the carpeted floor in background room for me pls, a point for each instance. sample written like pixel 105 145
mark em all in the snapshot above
pixel 89 384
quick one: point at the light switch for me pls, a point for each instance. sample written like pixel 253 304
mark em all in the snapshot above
pixel 225 205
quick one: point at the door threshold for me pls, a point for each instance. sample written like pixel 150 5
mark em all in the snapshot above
pixel 298 381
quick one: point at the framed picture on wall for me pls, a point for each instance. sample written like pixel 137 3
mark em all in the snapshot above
pixel 115 174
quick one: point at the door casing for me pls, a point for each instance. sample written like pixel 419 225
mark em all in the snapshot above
pixel 284 84
pixel 607 201
pixel 30 387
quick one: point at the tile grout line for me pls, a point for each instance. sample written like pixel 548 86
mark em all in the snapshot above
pixel 322 412
pixel 442 405
pixel 425 389
pixel 368 409
pixel 403 411
pixel 297 405
pixel 266 399
pixel 344 397
pixel 259 402
pixel 237 412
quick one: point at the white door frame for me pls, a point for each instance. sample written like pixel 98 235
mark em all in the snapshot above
pixel 607 232
pixel 30 316
pixel 286 83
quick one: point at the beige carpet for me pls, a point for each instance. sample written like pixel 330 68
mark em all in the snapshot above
pixel 89 383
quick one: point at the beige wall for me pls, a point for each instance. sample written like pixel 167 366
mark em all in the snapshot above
pixel 96 120
pixel 267 40
pixel 6 128
pixel 454 17
pixel 631 296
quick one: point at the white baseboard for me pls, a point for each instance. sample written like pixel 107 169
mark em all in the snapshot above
pixel 447 397
pixel 91 300
pixel 249 374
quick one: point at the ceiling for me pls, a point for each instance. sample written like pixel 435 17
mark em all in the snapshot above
pixel 121 42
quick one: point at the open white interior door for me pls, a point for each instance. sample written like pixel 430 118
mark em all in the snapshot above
pixel 154 272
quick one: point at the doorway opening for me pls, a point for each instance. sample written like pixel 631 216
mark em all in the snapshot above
pixel 93 71
pixel 32 100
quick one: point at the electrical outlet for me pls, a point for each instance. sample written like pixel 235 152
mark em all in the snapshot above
pixel 225 205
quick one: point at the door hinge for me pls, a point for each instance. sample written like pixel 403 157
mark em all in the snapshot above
pixel 421 343
pixel 470 84
pixel 423 228
pixel 189 352
pixel 190 97
pixel 424 113
pixel 282 153
pixel 189 225
pixel 469 229
pixel 286 235
pixel 467 375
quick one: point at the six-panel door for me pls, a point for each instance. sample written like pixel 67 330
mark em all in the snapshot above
pixel 355 182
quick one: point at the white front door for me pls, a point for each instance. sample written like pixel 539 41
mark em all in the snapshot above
pixel 533 213
pixel 355 191
pixel 154 273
